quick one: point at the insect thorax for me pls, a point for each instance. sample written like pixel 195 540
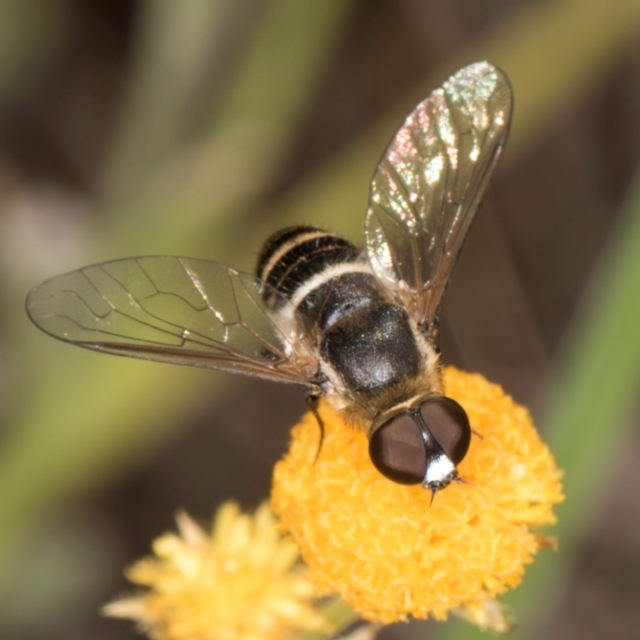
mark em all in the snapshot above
pixel 370 350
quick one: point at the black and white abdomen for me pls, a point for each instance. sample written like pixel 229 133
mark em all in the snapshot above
pixel 367 346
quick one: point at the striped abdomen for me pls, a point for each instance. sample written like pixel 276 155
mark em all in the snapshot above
pixel 366 344
pixel 293 257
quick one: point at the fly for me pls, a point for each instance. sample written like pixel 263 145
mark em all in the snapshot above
pixel 355 326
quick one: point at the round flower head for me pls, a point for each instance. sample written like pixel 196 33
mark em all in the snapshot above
pixel 384 547
pixel 240 583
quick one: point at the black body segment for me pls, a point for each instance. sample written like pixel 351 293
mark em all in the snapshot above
pixel 338 297
pixel 276 241
pixel 373 348
pixel 293 255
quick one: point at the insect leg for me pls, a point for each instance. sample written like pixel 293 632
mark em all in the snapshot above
pixel 312 403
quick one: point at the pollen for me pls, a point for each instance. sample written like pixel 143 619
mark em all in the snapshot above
pixel 391 553
pixel 241 582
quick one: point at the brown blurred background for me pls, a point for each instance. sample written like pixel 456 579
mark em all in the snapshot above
pixel 114 119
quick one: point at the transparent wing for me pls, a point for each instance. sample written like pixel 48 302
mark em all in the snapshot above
pixel 430 181
pixel 180 310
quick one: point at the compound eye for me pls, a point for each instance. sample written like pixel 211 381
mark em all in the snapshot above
pixel 398 451
pixel 448 423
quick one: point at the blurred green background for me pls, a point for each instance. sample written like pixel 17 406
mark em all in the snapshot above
pixel 196 127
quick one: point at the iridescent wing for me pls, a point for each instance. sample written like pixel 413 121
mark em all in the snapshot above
pixel 429 183
pixel 179 310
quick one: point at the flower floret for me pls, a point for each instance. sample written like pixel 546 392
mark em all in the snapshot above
pixel 242 582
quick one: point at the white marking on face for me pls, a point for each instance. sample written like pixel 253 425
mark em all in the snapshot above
pixel 439 470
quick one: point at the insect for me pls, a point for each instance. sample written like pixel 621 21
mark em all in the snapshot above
pixel 356 327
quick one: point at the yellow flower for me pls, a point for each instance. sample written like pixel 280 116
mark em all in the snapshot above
pixel 240 583
pixel 389 552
